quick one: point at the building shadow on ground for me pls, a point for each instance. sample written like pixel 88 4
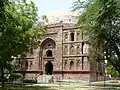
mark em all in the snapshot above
pixel 26 87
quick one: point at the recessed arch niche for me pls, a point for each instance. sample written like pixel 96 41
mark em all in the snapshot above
pixel 48 47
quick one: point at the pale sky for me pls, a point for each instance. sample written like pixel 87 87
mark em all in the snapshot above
pixel 48 6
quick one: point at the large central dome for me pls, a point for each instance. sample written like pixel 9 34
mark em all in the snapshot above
pixel 64 16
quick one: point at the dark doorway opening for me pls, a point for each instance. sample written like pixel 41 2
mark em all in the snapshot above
pixel 49 68
pixel 49 53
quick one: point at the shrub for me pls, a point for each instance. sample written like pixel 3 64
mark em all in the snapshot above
pixel 29 81
pixel 14 76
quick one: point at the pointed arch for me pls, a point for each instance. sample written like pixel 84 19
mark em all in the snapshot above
pixel 48 40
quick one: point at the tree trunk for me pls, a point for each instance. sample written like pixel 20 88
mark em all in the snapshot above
pixel 2 77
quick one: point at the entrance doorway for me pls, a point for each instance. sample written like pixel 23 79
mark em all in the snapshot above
pixel 49 68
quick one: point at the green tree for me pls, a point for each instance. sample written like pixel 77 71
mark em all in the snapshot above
pixel 101 21
pixel 20 31
pixel 111 70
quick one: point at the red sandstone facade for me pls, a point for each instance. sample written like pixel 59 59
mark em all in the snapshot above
pixel 67 49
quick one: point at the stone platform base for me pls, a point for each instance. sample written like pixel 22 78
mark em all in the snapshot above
pixel 45 79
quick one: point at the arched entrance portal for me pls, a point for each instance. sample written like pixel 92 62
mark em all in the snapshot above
pixel 49 68
pixel 48 49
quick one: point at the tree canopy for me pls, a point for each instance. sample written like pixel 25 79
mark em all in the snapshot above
pixel 20 30
pixel 101 21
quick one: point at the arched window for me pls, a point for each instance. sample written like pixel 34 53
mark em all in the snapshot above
pixel 78 49
pixel 31 63
pixel 65 65
pixel 71 65
pixel 72 50
pixel 72 36
pixel 78 64
pixel 65 37
pixel 26 65
pixel 65 49
pixel 49 53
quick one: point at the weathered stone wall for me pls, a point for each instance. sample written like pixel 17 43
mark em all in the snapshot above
pixel 31 62
pixel 77 76
pixel 70 54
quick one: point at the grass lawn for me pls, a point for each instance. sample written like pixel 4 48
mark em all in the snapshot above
pixel 61 87
pixel 25 87
pixel 99 84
